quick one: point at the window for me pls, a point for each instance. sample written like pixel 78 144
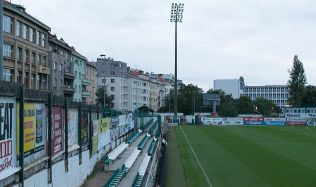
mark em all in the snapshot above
pixel 27 56
pixel 33 57
pixel 55 65
pixel 27 32
pixel 31 34
pixel 33 81
pixel 24 31
pixel 26 79
pixel 76 74
pixel 18 29
pixel 19 54
pixel 112 73
pixel 112 80
pixel 103 80
pixel 55 82
pixel 37 37
pixel 7 50
pixel 42 40
pixel 44 58
pixel 61 67
pixel 8 75
pixel 112 88
pixel 7 24
pixel 39 58
pixel 19 77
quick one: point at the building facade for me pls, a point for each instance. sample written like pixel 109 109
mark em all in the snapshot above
pixel 80 81
pixel 25 48
pixel 279 94
pixel 91 73
pixel 113 75
pixel 59 58
pixel 234 87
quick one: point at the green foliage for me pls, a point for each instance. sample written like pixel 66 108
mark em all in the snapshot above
pixel 297 83
pixel 309 99
pixel 144 109
pixel 100 96
pixel 245 105
pixel 188 95
pixel 266 107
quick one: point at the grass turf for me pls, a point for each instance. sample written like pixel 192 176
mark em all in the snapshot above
pixel 241 156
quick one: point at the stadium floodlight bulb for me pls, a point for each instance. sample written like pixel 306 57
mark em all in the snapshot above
pixel 176 12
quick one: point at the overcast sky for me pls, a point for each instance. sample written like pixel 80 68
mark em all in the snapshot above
pixel 256 39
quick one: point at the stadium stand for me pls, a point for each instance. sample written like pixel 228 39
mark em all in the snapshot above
pixel 152 146
pixel 116 177
pixel 148 123
pixel 138 181
pixel 133 136
pixel 109 158
pixel 143 142
pixel 131 159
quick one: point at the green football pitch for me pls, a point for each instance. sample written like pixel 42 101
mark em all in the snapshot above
pixel 241 156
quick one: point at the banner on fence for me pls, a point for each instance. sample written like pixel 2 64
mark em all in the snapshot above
pixel 34 128
pixel 84 128
pixel 296 121
pixel 95 137
pixel 57 130
pixel 7 135
pixel 253 120
pixel 72 128
pixel 211 121
pixel 103 132
pixel 274 121
pixel 115 129
pixel 233 121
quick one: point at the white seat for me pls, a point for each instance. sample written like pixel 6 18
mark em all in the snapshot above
pixel 117 151
pixel 131 159
pixel 143 166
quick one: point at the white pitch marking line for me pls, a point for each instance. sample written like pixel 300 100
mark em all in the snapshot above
pixel 206 177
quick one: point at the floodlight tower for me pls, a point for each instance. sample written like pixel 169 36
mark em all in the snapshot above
pixel 176 16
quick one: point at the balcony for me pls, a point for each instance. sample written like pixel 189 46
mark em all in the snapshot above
pixel 85 94
pixel 85 82
pixel 42 69
pixel 69 75
pixel 69 89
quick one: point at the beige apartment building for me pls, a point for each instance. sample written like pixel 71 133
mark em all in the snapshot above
pixel 25 48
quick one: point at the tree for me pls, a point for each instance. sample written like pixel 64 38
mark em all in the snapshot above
pixel 227 107
pixel 309 99
pixel 188 96
pixel 266 107
pixel 100 97
pixel 144 109
pixel 245 105
pixel 297 83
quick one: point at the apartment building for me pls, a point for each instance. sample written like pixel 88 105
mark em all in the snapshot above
pixel 91 73
pixel 113 75
pixel 80 81
pixel 62 72
pixel 279 94
pixel 25 48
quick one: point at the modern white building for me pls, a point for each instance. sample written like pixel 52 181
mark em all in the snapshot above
pixel 277 93
pixel 234 87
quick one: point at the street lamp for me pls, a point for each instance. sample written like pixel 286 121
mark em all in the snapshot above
pixel 176 16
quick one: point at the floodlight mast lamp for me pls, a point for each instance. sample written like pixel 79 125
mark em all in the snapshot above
pixel 176 16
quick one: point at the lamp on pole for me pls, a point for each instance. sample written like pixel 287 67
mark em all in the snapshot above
pixel 176 16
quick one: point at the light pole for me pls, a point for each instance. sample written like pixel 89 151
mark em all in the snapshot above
pixel 176 16
pixel 1 41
